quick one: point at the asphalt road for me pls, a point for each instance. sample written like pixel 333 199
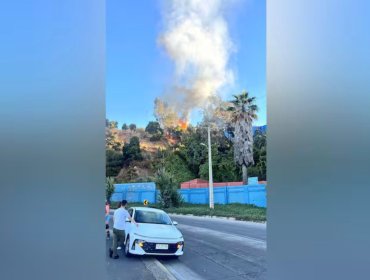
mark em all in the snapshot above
pixel 214 249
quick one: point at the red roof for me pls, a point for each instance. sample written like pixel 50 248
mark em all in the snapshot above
pixel 200 183
pixel 197 181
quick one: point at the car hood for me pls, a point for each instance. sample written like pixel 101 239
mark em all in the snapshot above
pixel 158 231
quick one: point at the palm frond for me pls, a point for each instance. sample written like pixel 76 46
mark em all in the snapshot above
pixel 251 99
pixel 253 107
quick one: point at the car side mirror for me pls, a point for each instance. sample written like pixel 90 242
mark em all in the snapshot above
pixel 175 223
pixel 128 220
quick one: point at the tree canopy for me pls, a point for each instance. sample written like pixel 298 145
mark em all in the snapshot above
pixel 113 124
pixel 132 127
pixel 114 163
pixel 131 151
pixel 153 128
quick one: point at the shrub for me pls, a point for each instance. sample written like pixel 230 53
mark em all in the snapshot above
pixel 132 127
pixel 113 163
pixel 155 137
pixel 169 196
pixel 109 188
pixel 131 151
pixel 153 128
pixel 178 168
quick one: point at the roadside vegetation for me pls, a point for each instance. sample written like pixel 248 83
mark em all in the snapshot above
pixel 242 212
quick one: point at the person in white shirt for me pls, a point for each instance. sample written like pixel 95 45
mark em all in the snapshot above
pixel 119 223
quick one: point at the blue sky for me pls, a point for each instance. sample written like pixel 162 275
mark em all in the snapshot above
pixel 138 71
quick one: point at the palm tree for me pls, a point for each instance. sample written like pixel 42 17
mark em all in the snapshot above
pixel 242 113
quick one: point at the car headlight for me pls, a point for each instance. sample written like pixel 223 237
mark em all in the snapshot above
pixel 140 243
pixel 180 244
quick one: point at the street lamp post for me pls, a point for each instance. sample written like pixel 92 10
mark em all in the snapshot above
pixel 211 199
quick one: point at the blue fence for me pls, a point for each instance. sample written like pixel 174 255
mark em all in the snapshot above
pixel 135 192
pixel 249 194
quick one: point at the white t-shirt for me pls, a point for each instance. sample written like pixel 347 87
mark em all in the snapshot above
pixel 119 217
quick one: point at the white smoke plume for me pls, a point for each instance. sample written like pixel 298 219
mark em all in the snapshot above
pixel 196 38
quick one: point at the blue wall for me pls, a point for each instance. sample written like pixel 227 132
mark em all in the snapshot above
pixel 135 192
pixel 249 194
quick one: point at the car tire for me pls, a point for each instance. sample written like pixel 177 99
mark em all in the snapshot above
pixel 127 247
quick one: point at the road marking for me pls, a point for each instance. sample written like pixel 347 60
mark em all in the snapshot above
pixel 253 242
pixel 159 271
pixel 182 272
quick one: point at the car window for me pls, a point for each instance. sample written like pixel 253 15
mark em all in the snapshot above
pixel 151 217
pixel 130 211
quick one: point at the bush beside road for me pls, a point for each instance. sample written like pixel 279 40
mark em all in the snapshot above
pixel 243 212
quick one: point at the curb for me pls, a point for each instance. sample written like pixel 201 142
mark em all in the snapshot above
pixel 158 270
pixel 205 216
pixel 216 217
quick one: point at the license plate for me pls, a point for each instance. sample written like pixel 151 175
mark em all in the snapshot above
pixel 161 246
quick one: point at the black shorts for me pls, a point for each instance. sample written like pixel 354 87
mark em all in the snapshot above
pixel 106 226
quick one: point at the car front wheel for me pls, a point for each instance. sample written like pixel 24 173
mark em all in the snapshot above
pixel 127 247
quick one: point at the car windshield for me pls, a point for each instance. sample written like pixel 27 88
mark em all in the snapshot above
pixel 151 217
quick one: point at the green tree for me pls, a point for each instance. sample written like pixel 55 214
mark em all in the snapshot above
pixel 169 195
pixel 178 168
pixel 113 163
pixel 259 155
pixel 155 137
pixel 124 126
pixel 192 151
pixel 109 188
pixel 224 167
pixel 153 128
pixel 113 124
pixel 132 127
pixel 111 141
pixel 243 111
pixel 189 159
pixel 131 151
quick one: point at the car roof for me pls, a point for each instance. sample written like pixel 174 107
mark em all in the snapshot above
pixel 148 209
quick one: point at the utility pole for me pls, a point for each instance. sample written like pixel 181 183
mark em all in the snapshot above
pixel 211 200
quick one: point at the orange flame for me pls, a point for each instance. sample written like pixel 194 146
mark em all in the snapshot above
pixel 183 125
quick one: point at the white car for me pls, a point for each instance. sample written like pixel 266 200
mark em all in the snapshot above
pixel 155 234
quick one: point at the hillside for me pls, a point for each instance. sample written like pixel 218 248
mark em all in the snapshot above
pixel 147 146
pixel 137 169
pixel 184 158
